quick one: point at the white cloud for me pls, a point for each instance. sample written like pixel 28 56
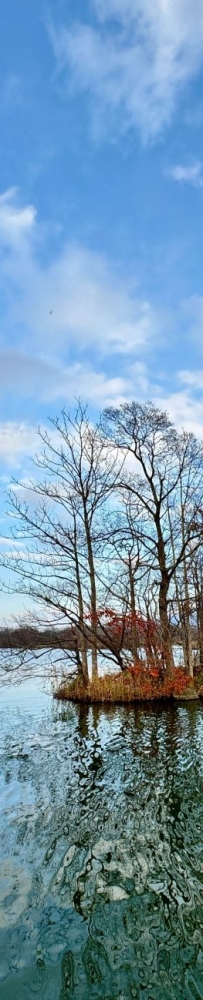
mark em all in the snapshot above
pixel 78 298
pixel 80 302
pixel 20 440
pixel 28 376
pixel 15 221
pixel 192 314
pixel 184 410
pixel 81 381
pixel 16 440
pixel 9 542
pixel 192 378
pixel 189 174
pixel 90 304
pixel 136 60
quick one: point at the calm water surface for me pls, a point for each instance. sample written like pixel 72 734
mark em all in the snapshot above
pixel 101 873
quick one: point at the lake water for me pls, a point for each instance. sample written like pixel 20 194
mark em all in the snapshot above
pixel 101 873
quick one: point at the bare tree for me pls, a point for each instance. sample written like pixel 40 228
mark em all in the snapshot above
pixel 56 568
pixel 163 461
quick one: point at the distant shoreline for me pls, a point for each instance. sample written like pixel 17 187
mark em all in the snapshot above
pixel 33 638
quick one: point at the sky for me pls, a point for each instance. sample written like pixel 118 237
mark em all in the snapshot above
pixel 101 210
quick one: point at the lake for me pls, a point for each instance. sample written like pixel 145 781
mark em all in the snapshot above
pixel 101 871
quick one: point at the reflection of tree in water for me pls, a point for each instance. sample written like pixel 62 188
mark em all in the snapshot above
pixel 149 943
pixel 116 831
pixel 67 976
pixel 95 962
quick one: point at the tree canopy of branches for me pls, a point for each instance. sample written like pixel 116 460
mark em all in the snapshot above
pixel 110 530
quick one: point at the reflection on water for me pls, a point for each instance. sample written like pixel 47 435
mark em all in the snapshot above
pixel 101 874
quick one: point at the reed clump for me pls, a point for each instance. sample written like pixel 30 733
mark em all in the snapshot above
pixel 133 684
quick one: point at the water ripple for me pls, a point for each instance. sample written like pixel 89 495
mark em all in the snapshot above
pixel 101 874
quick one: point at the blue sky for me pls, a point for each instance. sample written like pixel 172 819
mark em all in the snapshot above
pixel 101 209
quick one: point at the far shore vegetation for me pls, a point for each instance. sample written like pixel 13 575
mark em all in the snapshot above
pixel 107 548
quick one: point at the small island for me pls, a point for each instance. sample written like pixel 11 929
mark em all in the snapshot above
pixel 107 550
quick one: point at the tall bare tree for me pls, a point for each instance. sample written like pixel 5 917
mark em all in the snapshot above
pixel 163 461
pixel 56 568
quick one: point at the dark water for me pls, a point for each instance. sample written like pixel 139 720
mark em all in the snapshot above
pixel 101 875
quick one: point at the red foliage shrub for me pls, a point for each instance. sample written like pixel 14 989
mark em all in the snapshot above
pixel 146 678
pixel 120 627
pixel 151 683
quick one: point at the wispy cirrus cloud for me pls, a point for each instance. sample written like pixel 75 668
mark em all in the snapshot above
pixel 134 59
pixel 189 174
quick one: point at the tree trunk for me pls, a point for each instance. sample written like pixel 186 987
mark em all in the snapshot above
pixel 198 595
pixel 134 643
pixel 184 622
pixel 82 637
pixel 187 644
pixel 181 622
pixel 199 610
pixel 167 656
pixel 200 630
pixel 187 637
pixel 93 597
